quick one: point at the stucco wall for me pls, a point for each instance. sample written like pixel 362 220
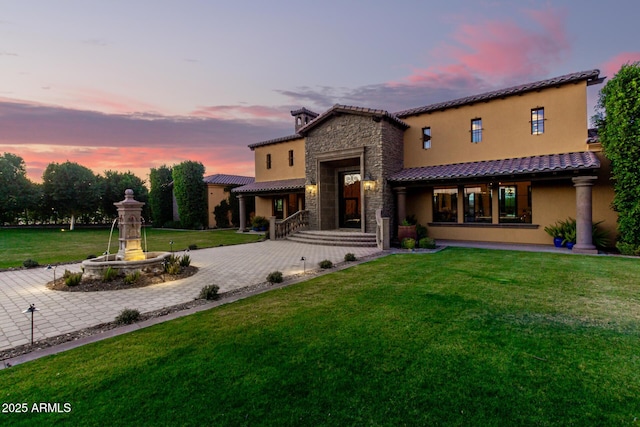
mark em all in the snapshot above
pixel 280 168
pixel 551 201
pixel 215 194
pixel 506 128
pixel 264 206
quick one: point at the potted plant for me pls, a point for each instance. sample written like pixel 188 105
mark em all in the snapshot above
pixel 555 231
pixel 569 232
pixel 407 230
pixel 260 223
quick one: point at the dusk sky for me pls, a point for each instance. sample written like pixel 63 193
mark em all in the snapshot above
pixel 131 85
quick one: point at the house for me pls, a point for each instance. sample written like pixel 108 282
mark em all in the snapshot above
pixel 495 167
pixel 218 188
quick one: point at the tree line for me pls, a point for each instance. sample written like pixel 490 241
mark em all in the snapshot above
pixel 71 193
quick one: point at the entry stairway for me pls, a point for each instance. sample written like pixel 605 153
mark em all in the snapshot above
pixel 334 238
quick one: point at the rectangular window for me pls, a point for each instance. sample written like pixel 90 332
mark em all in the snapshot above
pixel 537 121
pixel 268 161
pixel 514 199
pixel 445 204
pixel 426 138
pixel 476 130
pixel 290 157
pixel 477 203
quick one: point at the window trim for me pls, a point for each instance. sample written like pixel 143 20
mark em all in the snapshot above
pixel 426 138
pixel 476 132
pixel 537 125
pixel 454 193
pixel 484 217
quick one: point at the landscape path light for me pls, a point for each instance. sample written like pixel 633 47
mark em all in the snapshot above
pixel 49 267
pixel 32 309
pixel 304 265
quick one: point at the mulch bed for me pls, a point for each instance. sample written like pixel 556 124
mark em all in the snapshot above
pixel 97 285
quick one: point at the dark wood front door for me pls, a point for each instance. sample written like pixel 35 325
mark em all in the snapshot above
pixel 350 203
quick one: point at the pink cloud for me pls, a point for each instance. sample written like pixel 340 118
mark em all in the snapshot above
pixel 107 102
pixel 243 112
pixel 500 52
pixel 138 160
pixel 43 134
pixel 612 66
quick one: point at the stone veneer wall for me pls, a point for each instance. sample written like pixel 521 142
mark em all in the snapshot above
pixel 383 155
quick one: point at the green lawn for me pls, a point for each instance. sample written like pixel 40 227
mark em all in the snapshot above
pixel 460 337
pixel 49 246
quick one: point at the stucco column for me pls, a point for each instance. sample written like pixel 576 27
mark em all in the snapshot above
pixel 584 238
pixel 401 193
pixel 243 212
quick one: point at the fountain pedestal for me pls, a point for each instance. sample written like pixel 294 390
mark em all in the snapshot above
pixel 130 257
pixel 129 226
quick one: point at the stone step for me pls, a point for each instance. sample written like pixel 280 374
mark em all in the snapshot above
pixel 335 238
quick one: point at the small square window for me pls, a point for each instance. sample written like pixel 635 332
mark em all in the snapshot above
pixel 537 121
pixel 476 130
pixel 290 157
pixel 426 138
pixel 268 161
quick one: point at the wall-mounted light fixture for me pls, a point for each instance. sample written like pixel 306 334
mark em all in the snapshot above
pixel 310 186
pixel 368 182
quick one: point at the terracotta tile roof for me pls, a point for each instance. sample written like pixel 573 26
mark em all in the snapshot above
pixel 223 179
pixel 272 186
pixel 591 76
pixel 347 109
pixel 546 164
pixel 275 141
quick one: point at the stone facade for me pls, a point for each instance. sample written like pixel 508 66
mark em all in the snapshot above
pixel 368 143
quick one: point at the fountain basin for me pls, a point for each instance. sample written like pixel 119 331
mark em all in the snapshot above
pixel 152 264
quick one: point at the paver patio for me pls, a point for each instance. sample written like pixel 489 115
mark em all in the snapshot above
pixel 229 267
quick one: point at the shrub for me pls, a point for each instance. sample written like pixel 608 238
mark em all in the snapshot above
pixel 421 231
pixel 30 263
pixel 172 259
pixel 193 247
pixel 628 248
pixel 599 236
pixel 72 279
pixel 274 277
pixel 109 274
pixel 325 264
pixel 427 243
pixel 133 277
pixel 127 316
pixel 173 269
pixel 185 260
pixel 91 256
pixel 408 243
pixel 348 257
pixel 209 292
pixel 172 265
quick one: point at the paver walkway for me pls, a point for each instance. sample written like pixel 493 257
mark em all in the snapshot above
pixel 230 267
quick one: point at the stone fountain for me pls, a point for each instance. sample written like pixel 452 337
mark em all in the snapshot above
pixel 130 256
